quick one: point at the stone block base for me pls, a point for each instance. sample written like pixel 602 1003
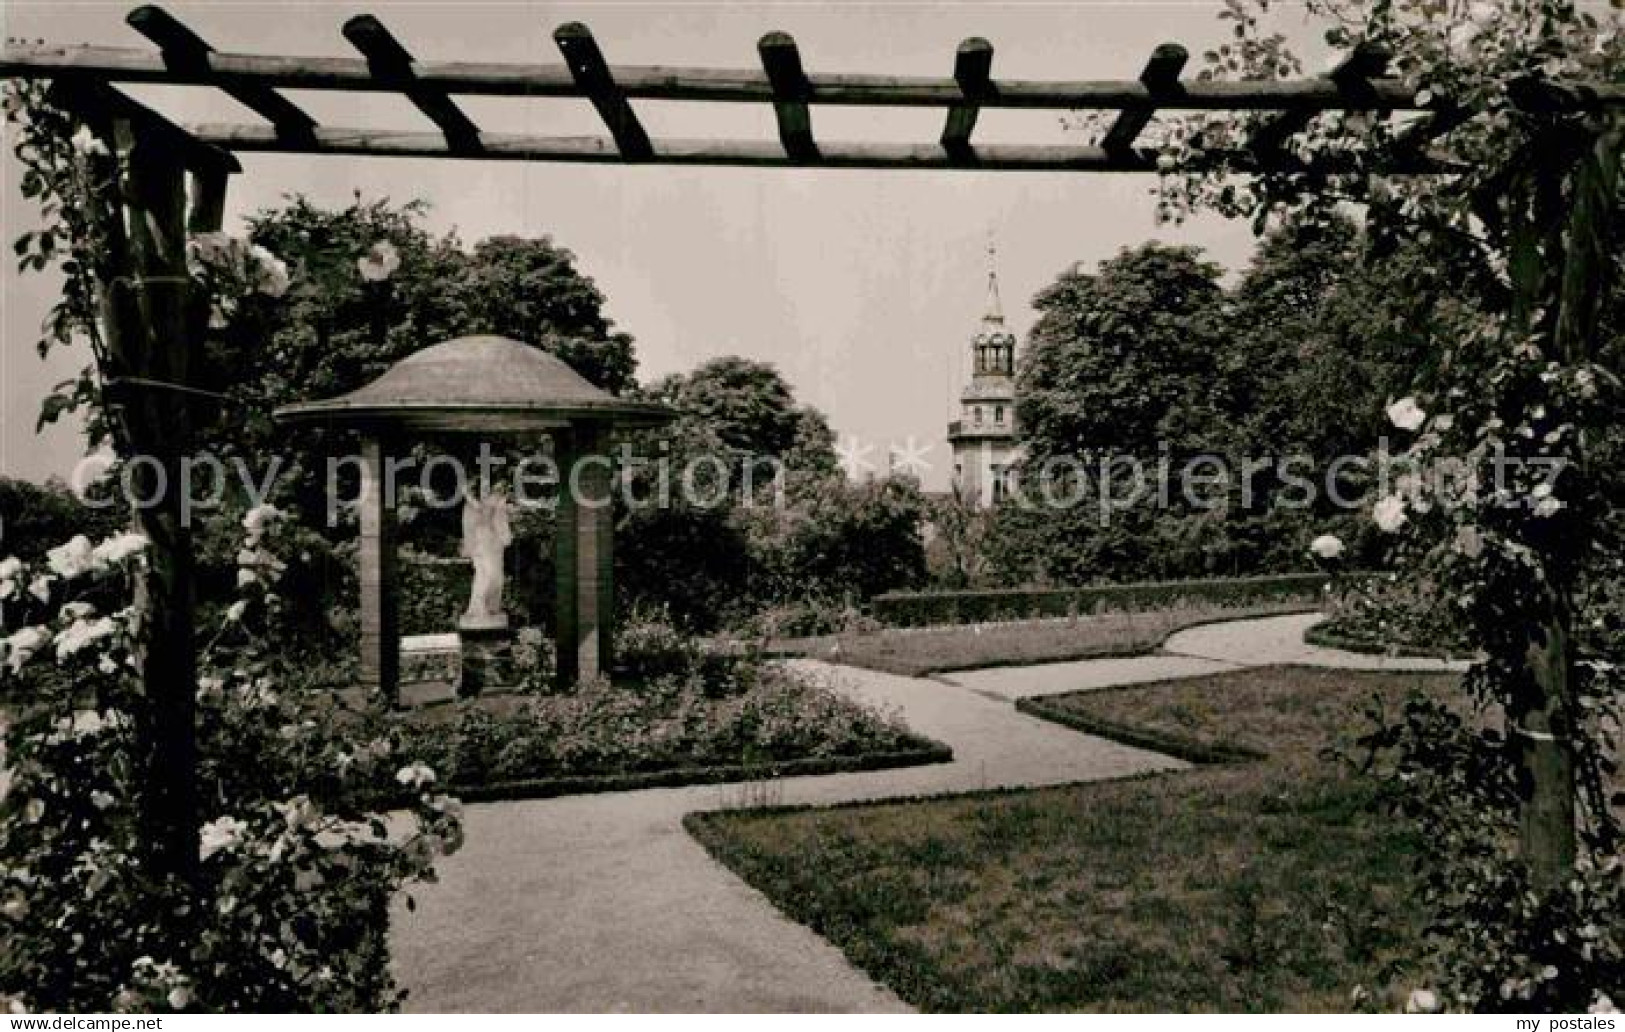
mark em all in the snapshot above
pixel 487 659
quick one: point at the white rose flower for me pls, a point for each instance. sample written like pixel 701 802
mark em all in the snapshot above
pixel 222 833
pixel 119 547
pixel 210 690
pixel 271 273
pixel 88 143
pixel 22 646
pixel 1327 546
pixel 1389 513
pixel 237 610
pixel 1422 1001
pixel 418 775
pixel 207 251
pixel 1602 1005
pixel 40 587
pixel 1545 504
pixel 73 559
pixel 379 263
pixel 259 517
pixel 82 634
pixel 1406 413
pixel 87 722
pixel 10 567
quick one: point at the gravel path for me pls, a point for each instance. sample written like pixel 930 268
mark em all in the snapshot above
pixel 604 903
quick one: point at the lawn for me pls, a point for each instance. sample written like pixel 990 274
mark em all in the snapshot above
pixel 1262 885
pixel 917 652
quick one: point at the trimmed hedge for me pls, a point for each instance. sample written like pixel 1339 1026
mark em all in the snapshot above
pixel 920 752
pixel 1329 636
pixel 927 608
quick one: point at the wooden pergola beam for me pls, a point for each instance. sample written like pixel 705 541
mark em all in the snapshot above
pixel 98 104
pixel 1161 79
pixel 592 78
pixel 754 153
pixel 1354 79
pixel 389 62
pixel 781 60
pixel 649 82
pixel 973 66
pixel 185 51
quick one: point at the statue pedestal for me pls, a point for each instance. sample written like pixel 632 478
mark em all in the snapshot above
pixel 487 655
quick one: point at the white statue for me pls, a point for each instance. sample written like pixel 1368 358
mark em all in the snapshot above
pixel 486 537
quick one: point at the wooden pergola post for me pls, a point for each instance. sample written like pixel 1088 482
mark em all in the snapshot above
pixel 583 544
pixel 153 323
pixel 380 594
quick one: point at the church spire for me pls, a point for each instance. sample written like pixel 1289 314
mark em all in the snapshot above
pixel 995 310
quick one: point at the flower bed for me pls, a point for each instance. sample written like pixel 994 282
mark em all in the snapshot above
pixel 1383 615
pixel 683 728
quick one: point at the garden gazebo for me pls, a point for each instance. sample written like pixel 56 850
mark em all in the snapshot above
pixel 486 385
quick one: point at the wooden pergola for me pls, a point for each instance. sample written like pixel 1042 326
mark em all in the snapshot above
pixel 385 65
pixel 154 323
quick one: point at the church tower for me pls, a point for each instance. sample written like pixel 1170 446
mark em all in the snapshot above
pixel 983 438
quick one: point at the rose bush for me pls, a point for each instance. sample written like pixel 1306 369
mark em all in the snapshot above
pixel 287 908
pixel 1510 504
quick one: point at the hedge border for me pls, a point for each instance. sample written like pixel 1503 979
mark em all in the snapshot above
pixel 1329 638
pixel 923 609
pixel 924 751
pixel 1179 747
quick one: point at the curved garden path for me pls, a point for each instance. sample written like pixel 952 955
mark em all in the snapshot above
pixel 604 903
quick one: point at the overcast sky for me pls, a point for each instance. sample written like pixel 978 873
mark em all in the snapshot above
pixel 861 286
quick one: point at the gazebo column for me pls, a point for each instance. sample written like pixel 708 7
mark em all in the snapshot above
pixel 380 601
pixel 584 554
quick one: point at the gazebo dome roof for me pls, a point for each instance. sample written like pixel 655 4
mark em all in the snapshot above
pixel 478 383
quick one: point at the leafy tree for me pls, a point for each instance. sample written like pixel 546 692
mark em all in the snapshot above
pixel 530 290
pixel 752 411
pixel 1122 359
pixel 37 517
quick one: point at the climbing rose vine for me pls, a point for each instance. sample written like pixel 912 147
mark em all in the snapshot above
pixel 1509 498
pixel 297 862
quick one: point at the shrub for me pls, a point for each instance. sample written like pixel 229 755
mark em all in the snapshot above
pixel 286 908
pixel 923 609
pixel 1387 614
pixel 808 618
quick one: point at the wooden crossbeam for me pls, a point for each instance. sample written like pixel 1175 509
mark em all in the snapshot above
pixel 973 65
pixel 1352 77
pixel 390 63
pixel 781 60
pixel 591 75
pixel 98 105
pixel 597 150
pixel 720 85
pixel 184 50
pixel 1161 80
